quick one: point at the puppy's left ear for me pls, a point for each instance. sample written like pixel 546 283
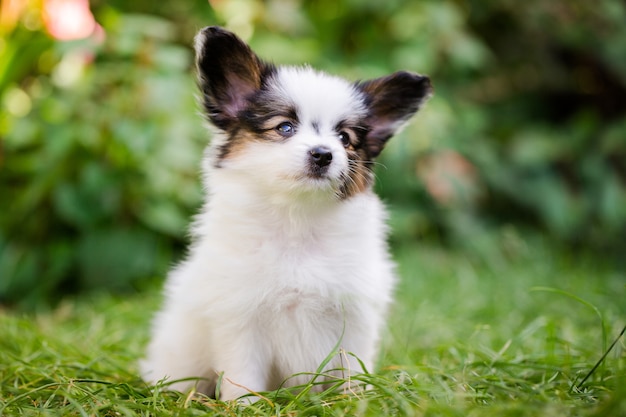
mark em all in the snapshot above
pixel 392 100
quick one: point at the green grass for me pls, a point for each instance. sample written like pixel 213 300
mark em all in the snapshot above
pixel 510 330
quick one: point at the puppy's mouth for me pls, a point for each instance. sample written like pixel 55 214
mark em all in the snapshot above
pixel 320 178
pixel 318 173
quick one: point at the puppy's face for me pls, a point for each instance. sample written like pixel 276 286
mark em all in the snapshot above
pixel 302 130
pixel 296 129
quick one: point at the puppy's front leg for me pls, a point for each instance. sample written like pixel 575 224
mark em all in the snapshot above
pixel 244 368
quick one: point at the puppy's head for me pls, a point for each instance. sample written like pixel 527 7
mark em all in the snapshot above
pixel 293 128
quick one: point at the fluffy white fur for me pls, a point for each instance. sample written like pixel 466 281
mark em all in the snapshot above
pixel 281 269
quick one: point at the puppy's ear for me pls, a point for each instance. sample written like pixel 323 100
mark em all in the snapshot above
pixel 228 72
pixel 392 100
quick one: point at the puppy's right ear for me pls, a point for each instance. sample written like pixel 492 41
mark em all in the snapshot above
pixel 228 72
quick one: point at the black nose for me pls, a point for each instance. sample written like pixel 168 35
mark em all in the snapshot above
pixel 321 156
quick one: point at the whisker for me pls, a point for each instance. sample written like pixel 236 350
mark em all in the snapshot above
pixel 365 162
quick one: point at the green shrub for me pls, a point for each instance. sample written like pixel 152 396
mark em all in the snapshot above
pixel 101 175
pixel 554 149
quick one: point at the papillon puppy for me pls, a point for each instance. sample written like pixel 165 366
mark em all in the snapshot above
pixel 289 260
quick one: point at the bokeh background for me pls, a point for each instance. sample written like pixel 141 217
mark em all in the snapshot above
pixel 101 140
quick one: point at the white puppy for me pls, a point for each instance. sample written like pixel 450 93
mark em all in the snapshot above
pixel 289 258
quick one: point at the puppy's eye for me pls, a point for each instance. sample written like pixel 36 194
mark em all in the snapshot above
pixel 286 129
pixel 344 137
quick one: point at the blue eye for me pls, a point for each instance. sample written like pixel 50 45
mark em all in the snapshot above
pixel 286 129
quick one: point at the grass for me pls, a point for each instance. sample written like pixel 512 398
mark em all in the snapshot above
pixel 509 329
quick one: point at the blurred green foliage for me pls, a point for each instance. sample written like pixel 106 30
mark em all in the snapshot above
pixel 101 143
pixel 100 175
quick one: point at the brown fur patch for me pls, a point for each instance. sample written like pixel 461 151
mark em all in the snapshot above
pixel 360 176
pixel 237 141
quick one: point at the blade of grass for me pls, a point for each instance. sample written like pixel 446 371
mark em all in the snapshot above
pixel 580 384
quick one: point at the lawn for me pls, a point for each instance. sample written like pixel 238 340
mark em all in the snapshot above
pixel 510 328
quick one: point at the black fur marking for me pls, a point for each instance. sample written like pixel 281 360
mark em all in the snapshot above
pixel 359 128
pixel 254 122
pixel 361 134
pixel 316 127
pixel 262 108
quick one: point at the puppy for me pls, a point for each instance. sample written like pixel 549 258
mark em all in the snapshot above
pixel 289 257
